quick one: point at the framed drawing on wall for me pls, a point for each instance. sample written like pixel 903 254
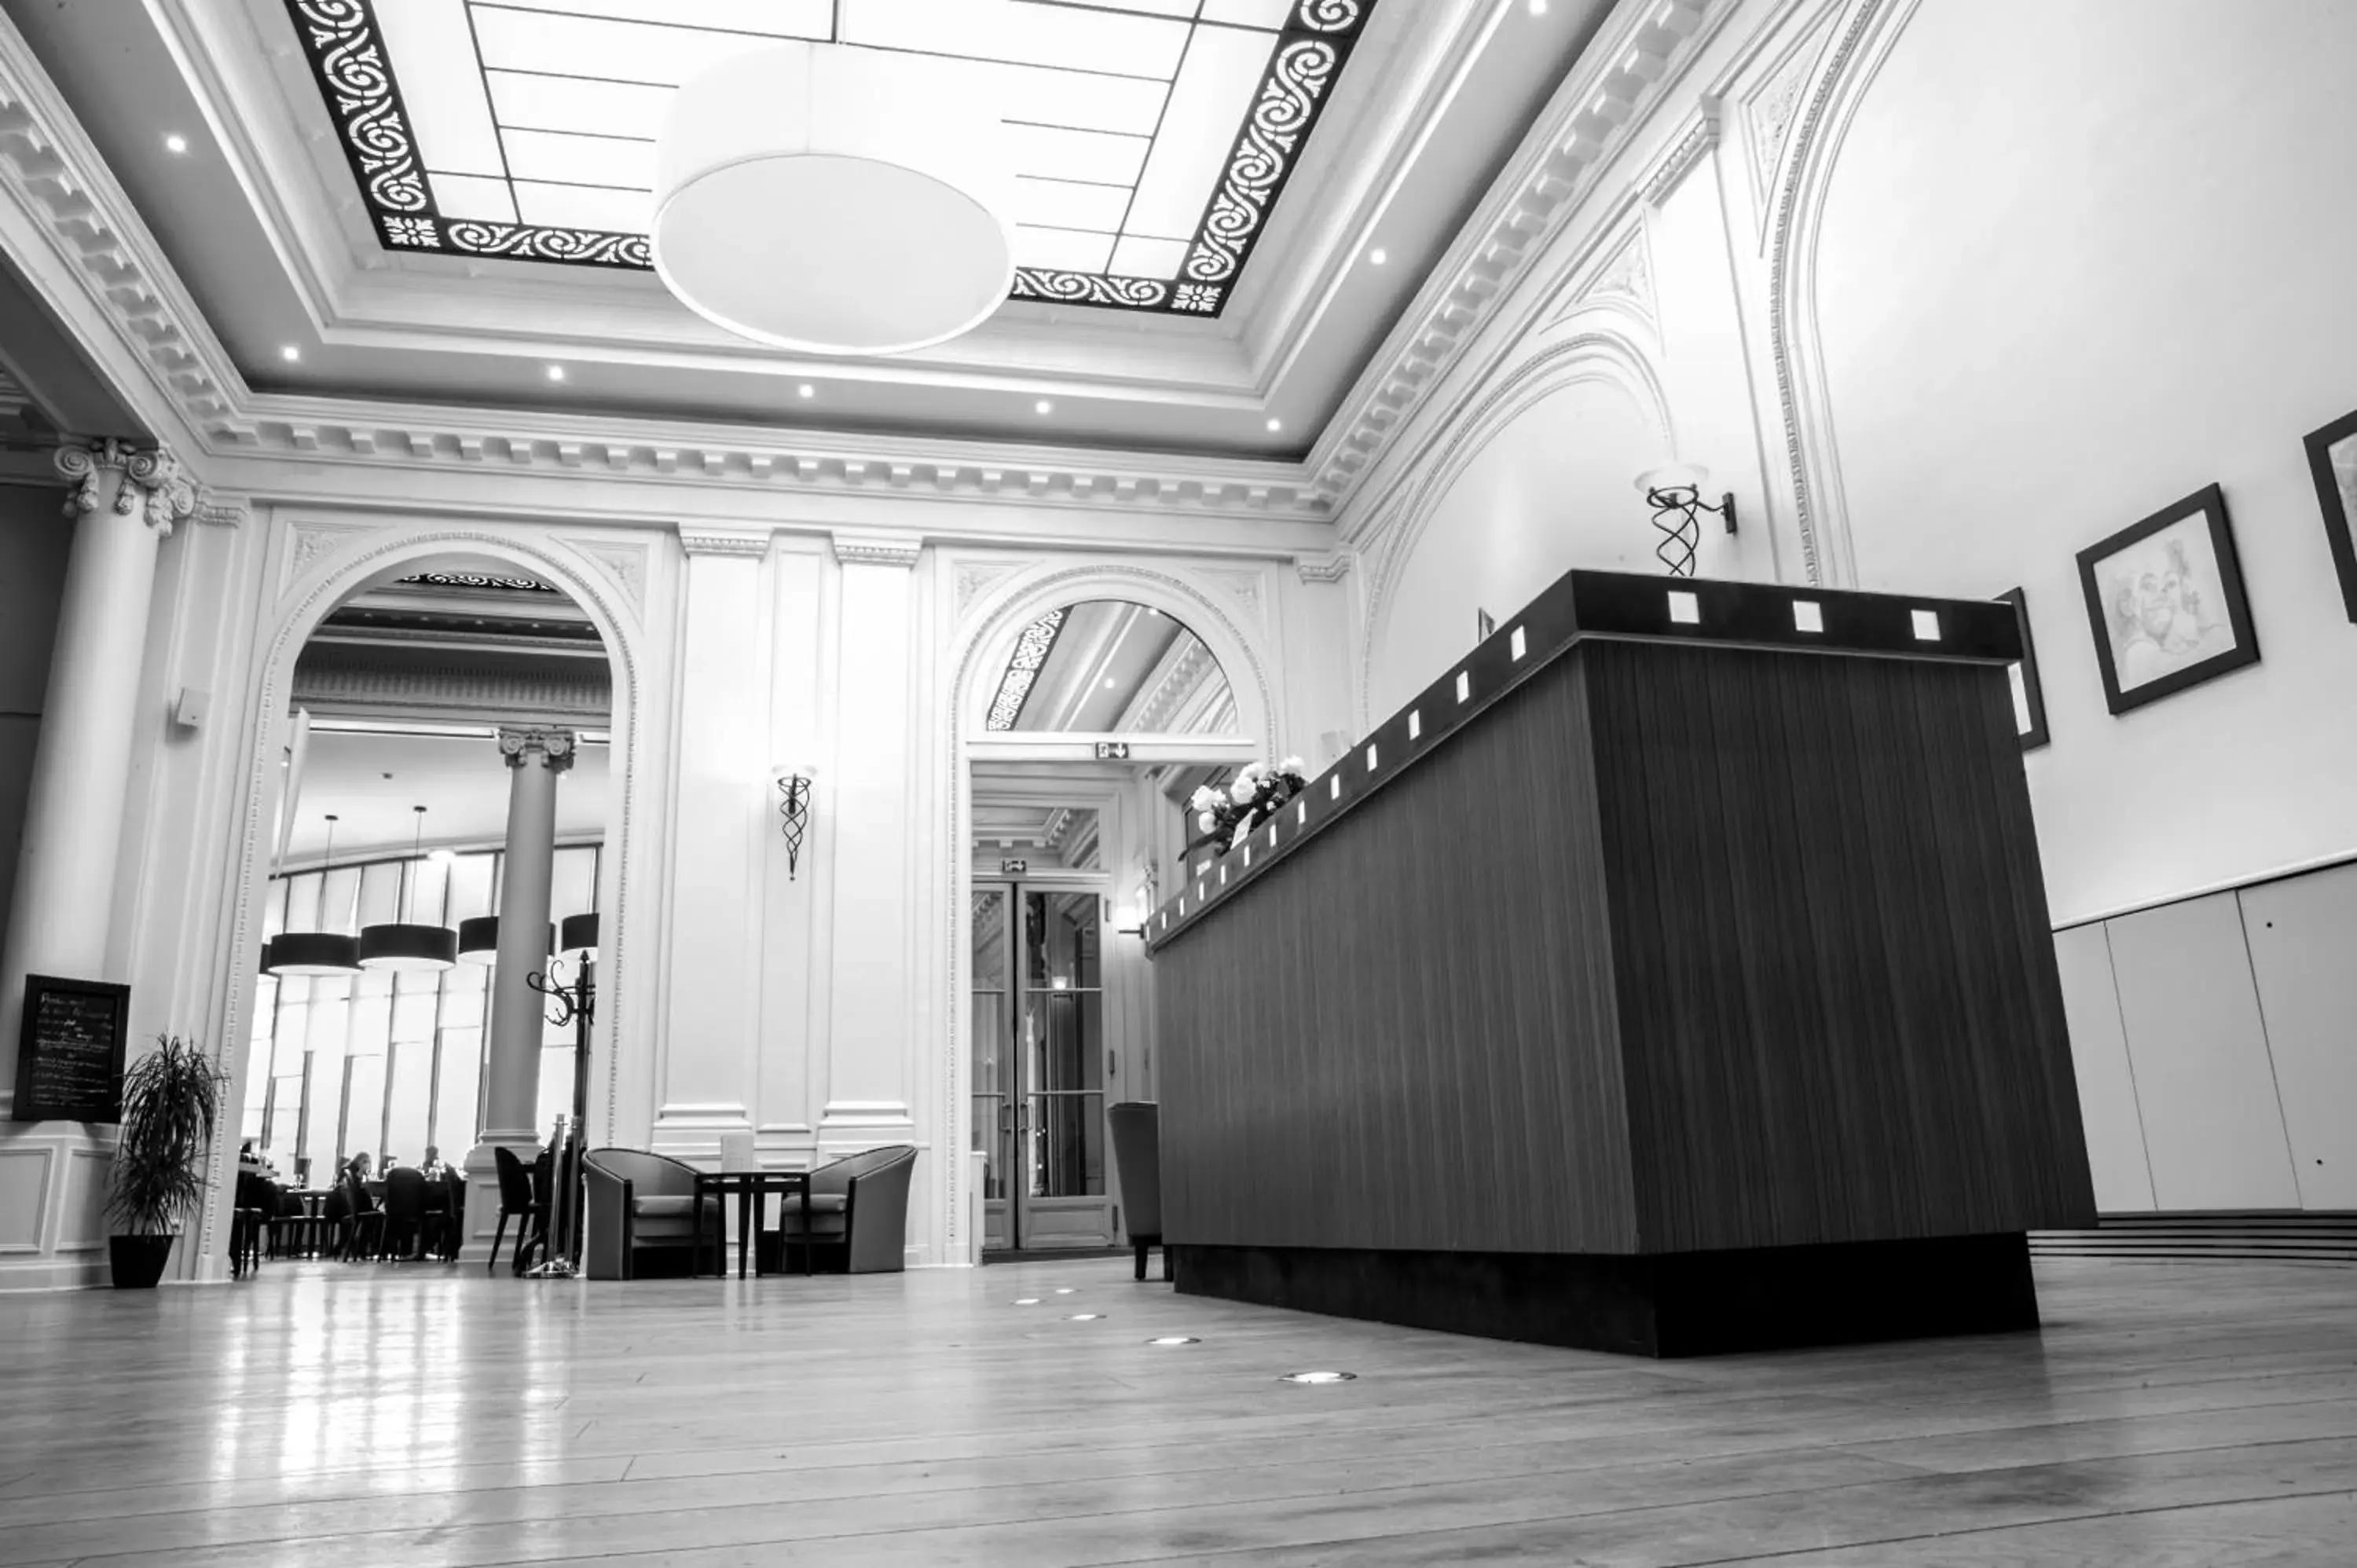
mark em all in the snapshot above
pixel 2028 695
pixel 2165 601
pixel 2333 462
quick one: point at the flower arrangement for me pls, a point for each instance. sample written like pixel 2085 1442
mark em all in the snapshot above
pixel 1224 816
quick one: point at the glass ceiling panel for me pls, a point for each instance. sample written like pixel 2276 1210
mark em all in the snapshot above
pixel 1152 137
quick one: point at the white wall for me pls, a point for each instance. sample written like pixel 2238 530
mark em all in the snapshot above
pixel 1548 491
pixel 2075 265
pixel 1953 289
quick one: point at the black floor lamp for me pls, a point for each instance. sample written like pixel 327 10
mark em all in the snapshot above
pixel 576 1003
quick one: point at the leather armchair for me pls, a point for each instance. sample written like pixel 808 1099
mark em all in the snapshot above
pixel 635 1202
pixel 860 1204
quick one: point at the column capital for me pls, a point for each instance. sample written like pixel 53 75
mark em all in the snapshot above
pixel 148 478
pixel 517 743
pixel 724 541
pixel 879 549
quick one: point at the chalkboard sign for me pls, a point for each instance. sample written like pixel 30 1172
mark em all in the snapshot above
pixel 70 1057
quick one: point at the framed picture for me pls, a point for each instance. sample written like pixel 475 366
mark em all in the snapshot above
pixel 2165 600
pixel 2333 460
pixel 2028 695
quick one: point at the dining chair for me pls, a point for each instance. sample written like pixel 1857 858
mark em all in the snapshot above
pixel 520 1199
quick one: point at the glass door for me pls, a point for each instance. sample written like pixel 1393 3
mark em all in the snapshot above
pixel 1039 1067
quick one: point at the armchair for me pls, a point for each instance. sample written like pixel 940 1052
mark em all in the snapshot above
pixel 1137 1129
pixel 636 1202
pixel 861 1205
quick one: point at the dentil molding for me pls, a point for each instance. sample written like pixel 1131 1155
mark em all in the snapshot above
pixel 725 541
pixel 877 550
pixel 1701 135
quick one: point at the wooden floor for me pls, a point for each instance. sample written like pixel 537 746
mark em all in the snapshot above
pixel 2173 1415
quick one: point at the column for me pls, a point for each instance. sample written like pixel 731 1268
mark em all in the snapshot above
pixel 869 801
pixel 124 499
pixel 511 1079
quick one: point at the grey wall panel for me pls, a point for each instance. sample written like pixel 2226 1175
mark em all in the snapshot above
pixel 2303 941
pixel 2212 1125
pixel 2099 1054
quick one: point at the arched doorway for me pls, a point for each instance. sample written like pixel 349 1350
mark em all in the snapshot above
pixel 1088 708
pixel 405 660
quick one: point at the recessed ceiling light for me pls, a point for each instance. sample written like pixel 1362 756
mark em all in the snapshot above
pixel 1043 406
pixel 290 353
pixel 557 372
pixel 176 143
pixel 1110 685
pixel 806 389
pixel 1274 425
pixel 1377 257
pixel 1063 1290
pixel 1538 8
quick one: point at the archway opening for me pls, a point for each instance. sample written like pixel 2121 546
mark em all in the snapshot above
pixel 396 804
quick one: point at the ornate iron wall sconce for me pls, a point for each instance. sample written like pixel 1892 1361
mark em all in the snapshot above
pixel 793 780
pixel 1675 492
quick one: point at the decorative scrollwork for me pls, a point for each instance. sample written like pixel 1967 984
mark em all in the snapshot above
pixel 1031 652
pixel 538 243
pixel 348 56
pixel 151 483
pixel 479 580
pixel 1090 288
pixel 1265 154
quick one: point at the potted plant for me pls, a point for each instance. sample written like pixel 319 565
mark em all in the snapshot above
pixel 170 1098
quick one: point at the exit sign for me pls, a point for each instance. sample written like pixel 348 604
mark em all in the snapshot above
pixel 1113 751
pixel 1013 867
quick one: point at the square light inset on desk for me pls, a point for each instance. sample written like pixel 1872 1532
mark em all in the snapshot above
pixel 1517 644
pixel 1685 609
pixel 1808 616
pixel 1333 786
pixel 1370 760
pixel 1464 685
pixel 1414 724
pixel 1927 625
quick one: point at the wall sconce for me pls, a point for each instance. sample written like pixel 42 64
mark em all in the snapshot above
pixel 1131 922
pixel 1675 492
pixel 793 781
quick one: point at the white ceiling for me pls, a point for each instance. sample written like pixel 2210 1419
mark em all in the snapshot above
pixel 375 781
pixel 262 217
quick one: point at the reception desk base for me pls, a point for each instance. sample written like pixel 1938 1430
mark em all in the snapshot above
pixel 1679 1304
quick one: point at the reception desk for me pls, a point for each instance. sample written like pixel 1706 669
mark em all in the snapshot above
pixel 1672 976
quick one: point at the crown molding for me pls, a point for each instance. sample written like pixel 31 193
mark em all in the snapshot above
pixel 1642 47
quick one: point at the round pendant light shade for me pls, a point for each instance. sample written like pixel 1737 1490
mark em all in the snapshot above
pixel 837 200
pixel 580 939
pixel 314 952
pixel 399 946
pixel 479 940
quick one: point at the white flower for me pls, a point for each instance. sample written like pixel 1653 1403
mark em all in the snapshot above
pixel 1203 797
pixel 1291 766
pixel 1204 821
pixel 1243 790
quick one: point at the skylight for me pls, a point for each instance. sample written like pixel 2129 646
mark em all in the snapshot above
pixel 1154 136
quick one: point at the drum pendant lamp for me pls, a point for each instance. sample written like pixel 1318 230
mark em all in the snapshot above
pixel 403 946
pixel 314 952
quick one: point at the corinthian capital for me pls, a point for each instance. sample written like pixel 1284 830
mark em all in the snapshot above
pixel 146 478
pixel 519 744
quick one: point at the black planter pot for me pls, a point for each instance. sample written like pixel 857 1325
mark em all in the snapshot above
pixel 139 1259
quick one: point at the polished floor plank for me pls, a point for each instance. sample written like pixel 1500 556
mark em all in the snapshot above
pixel 365 1416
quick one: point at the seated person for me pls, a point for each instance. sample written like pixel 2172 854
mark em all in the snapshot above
pixel 248 1162
pixel 432 1166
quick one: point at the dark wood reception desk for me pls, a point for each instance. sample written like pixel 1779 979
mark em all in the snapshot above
pixel 1672 976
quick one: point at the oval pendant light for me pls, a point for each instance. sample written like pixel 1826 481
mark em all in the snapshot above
pixel 403 946
pixel 479 940
pixel 314 952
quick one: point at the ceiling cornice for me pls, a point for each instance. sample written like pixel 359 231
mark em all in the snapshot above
pixel 1643 45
